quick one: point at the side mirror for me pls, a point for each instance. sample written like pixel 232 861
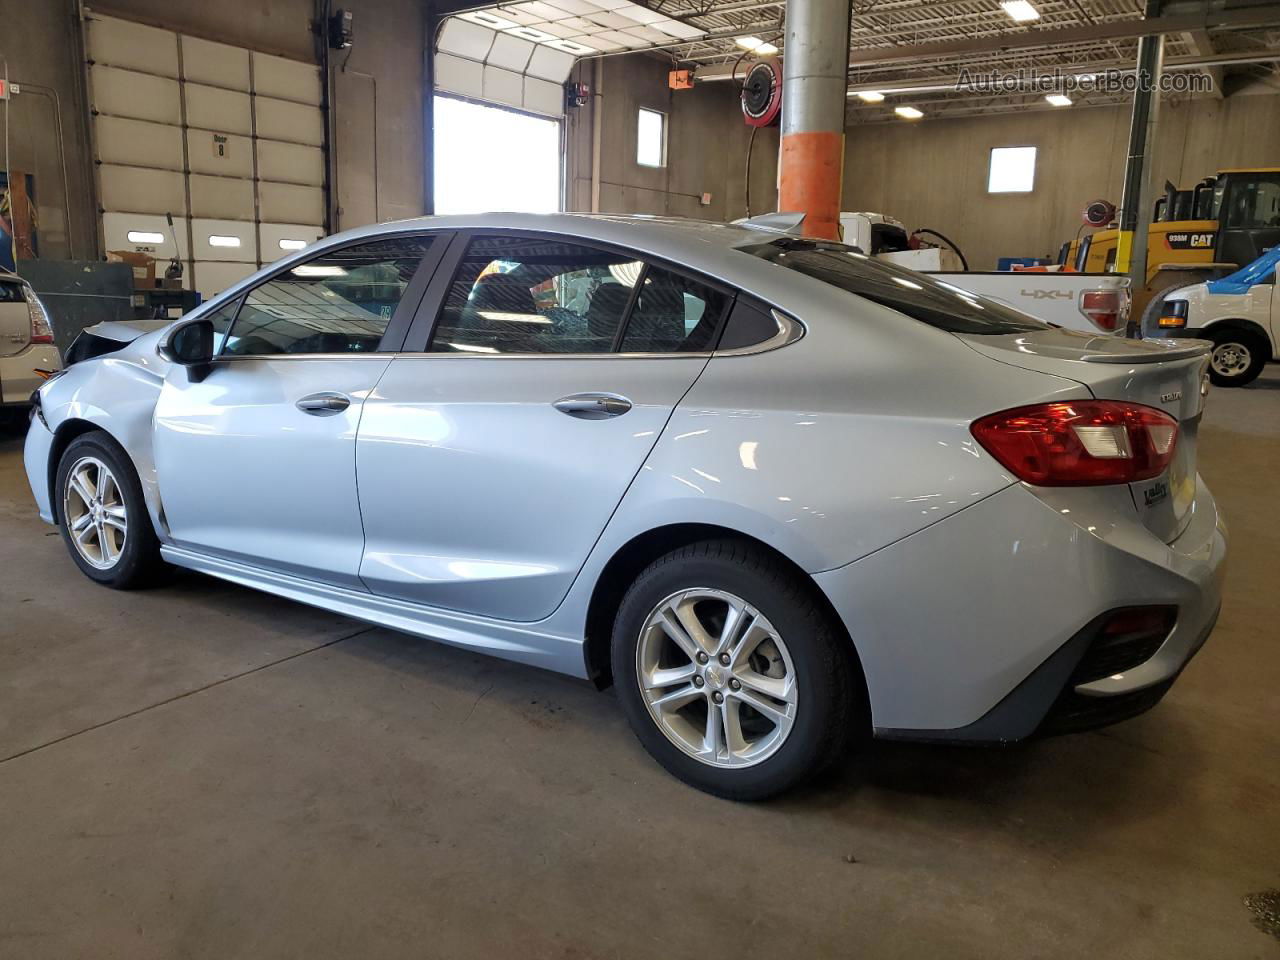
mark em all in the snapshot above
pixel 190 346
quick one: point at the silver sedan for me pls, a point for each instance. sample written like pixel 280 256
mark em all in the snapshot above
pixel 782 496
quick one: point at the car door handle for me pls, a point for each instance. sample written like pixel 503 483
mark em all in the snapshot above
pixel 323 404
pixel 593 406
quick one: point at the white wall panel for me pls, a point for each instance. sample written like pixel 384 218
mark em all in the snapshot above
pixel 124 93
pixel 123 43
pixel 286 79
pixel 290 203
pixel 285 120
pixel 116 228
pixel 219 154
pixel 142 190
pixel 271 236
pixel 212 108
pixel 221 198
pixel 229 240
pixel 290 163
pixel 503 86
pixel 138 143
pixel 215 64
pixel 465 39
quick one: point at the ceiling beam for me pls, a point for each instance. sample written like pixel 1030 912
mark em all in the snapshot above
pixel 1202 44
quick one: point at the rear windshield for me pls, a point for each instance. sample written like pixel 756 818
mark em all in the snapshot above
pixel 917 295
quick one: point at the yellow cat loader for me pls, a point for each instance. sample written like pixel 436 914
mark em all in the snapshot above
pixel 1214 228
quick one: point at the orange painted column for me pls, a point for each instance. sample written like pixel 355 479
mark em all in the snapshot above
pixel 815 81
pixel 810 179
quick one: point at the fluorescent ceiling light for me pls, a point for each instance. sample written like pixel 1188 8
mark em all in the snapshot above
pixel 572 46
pixel 1059 100
pixel 145 236
pixel 1020 10
pixel 766 50
pixel 215 240
pixel 287 244
pixel 318 270
pixel 528 33
pixel 908 113
pixel 871 96
pixel 748 43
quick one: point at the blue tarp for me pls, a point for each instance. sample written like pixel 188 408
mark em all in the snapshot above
pixel 1249 275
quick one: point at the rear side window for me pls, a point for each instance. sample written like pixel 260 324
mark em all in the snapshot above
pixel 917 295
pixel 11 292
pixel 340 302
pixel 673 314
pixel 521 295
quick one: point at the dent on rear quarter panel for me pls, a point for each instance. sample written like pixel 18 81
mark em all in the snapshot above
pixel 836 445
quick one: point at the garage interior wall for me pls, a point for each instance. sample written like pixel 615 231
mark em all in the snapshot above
pixel 377 102
pixel 895 168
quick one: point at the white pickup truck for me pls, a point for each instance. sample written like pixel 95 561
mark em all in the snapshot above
pixel 1090 302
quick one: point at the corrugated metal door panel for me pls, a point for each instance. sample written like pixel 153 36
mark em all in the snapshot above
pixel 143 234
pixel 221 198
pixel 138 143
pixel 285 120
pixel 290 163
pixel 215 64
pixel 219 154
pixel 290 203
pixel 286 79
pixel 281 239
pixel 122 43
pixel 227 240
pixel 124 93
pixel 212 108
pixel 212 277
pixel 142 190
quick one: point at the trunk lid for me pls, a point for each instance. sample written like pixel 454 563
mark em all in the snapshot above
pixel 1170 375
pixel 15 319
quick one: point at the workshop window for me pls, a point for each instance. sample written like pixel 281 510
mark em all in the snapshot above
pixel 651 138
pixel 1012 170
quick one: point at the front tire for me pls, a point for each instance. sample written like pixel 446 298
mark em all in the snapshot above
pixel 731 672
pixel 1238 356
pixel 103 517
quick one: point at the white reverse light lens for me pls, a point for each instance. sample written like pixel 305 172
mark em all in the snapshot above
pixel 1020 10
pixel 1105 442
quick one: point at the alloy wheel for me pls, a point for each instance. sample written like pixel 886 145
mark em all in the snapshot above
pixel 716 677
pixel 93 510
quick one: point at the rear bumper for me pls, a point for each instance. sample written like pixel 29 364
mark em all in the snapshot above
pixel 972 629
pixel 18 373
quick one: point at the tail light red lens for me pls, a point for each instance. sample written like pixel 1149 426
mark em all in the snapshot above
pixel 1080 444
pixel 41 328
pixel 1102 307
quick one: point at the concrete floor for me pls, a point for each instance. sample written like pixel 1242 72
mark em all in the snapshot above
pixel 204 771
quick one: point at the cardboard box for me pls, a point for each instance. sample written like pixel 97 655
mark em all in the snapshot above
pixel 143 264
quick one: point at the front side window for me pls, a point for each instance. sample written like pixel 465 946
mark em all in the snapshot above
pixel 914 294
pixel 521 295
pixel 1254 204
pixel 673 314
pixel 340 302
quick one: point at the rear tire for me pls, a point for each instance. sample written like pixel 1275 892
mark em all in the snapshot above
pixel 752 635
pixel 1238 356
pixel 103 517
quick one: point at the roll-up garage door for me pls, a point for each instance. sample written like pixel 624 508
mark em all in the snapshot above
pixel 228 141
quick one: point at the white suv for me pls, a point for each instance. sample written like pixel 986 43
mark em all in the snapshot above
pixel 27 351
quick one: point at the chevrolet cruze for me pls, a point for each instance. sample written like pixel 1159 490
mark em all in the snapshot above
pixel 783 497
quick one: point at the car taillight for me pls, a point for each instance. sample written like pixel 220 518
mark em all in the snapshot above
pixel 1081 443
pixel 1102 307
pixel 41 328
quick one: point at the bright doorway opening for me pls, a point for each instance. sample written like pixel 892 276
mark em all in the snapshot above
pixel 493 159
